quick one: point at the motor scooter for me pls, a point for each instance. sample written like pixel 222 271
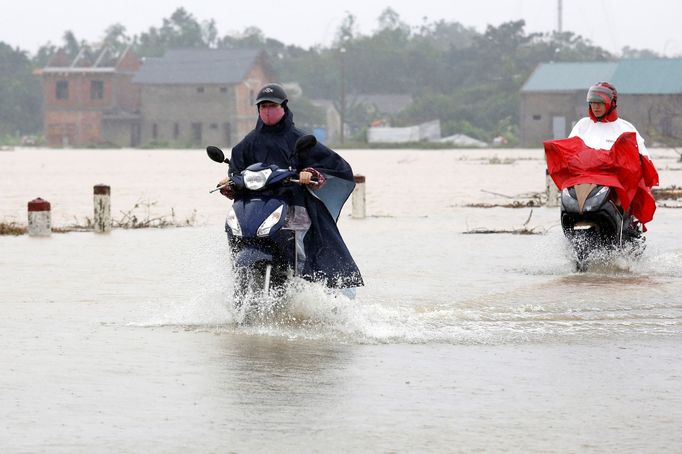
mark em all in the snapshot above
pixel 593 220
pixel 265 226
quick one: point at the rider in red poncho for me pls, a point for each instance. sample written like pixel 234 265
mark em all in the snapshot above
pixel 603 126
pixel 605 149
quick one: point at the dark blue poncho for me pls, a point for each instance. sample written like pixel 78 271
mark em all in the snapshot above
pixel 327 257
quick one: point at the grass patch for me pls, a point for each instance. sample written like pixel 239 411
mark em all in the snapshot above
pixel 138 217
pixel 12 228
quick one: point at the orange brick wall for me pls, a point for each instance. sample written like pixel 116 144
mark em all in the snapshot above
pixel 79 91
pixel 245 94
pixel 69 128
pixel 77 120
pixel 126 94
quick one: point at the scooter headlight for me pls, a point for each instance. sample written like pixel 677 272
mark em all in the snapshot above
pixel 568 202
pixel 255 180
pixel 233 223
pixel 270 222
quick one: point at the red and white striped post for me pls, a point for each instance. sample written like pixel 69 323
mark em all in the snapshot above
pixel 358 198
pixel 102 203
pixel 39 218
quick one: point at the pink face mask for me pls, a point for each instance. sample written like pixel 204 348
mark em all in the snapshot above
pixel 271 115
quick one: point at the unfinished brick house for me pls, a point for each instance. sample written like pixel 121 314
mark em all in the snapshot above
pixel 90 100
pixel 195 97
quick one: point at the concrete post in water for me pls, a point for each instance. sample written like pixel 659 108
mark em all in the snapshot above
pixel 102 201
pixel 39 218
pixel 358 198
pixel 552 191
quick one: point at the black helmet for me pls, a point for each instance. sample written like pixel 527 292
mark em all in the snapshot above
pixel 273 93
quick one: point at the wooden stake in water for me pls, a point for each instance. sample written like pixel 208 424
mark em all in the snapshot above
pixel 358 198
pixel 102 202
pixel 552 191
pixel 39 218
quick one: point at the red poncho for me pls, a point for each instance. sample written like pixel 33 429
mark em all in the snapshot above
pixel 632 175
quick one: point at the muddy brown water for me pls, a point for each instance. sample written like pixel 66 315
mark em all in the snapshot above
pixel 128 342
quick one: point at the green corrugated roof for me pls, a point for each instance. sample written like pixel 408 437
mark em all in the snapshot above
pixel 655 76
pixel 568 76
pixel 660 77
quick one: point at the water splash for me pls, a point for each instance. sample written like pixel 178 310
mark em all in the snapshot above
pixel 542 299
pixel 530 314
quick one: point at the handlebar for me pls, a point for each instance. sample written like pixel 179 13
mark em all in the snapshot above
pixel 293 180
pixel 290 180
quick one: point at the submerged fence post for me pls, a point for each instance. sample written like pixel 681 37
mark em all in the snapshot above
pixel 102 202
pixel 39 218
pixel 358 199
pixel 552 191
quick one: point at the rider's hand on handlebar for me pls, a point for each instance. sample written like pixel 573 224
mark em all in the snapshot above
pixel 311 176
pixel 305 177
pixel 226 188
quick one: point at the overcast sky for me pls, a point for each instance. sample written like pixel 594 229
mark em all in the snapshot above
pixel 611 24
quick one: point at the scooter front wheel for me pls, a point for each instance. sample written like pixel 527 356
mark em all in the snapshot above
pixel 584 242
pixel 251 282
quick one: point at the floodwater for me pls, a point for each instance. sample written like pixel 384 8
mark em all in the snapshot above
pixel 127 342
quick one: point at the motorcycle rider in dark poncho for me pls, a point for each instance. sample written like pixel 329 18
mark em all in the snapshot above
pixel 272 141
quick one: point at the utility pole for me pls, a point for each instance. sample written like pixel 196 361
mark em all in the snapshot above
pixel 560 27
pixel 342 107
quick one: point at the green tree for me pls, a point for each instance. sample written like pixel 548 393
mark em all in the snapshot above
pixel 116 39
pixel 629 52
pixel 71 44
pixel 20 92
pixel 180 30
pixel 70 47
pixel 475 89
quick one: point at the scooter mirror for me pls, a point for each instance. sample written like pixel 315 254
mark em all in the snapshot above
pixel 215 153
pixel 305 142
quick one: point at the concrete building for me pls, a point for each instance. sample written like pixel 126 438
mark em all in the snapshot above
pixel 378 108
pixel 649 96
pixel 89 100
pixel 196 97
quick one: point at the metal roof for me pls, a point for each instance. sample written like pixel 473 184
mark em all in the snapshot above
pixel 646 76
pixel 387 103
pixel 198 66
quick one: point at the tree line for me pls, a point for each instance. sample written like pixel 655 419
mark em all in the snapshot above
pixel 469 80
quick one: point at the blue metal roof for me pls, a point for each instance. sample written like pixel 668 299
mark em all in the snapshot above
pixel 568 76
pixel 650 76
pixel 198 66
pixel 660 76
